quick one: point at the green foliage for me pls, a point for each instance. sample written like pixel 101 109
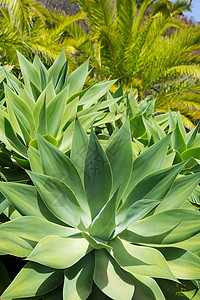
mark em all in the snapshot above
pixel 28 27
pixel 121 223
pixel 48 101
pixel 132 45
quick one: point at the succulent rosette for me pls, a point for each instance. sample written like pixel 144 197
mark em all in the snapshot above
pixel 101 222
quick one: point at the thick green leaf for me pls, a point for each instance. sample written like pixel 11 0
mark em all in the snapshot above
pixel 183 264
pixel 147 162
pixel 133 103
pixel 180 192
pixel 26 200
pixel 77 78
pixel 3 203
pixel 119 153
pixel 192 153
pixel 140 260
pixel 42 125
pixel 37 279
pixel 110 278
pixel 34 159
pixel 146 288
pixel 58 165
pixel 177 140
pixel 14 245
pixel 41 69
pixel 78 279
pixel 137 211
pixel 103 224
pixel 55 69
pixel 20 105
pixel 191 136
pixel 137 126
pixel 59 253
pixel 154 186
pixel 29 72
pixel 55 110
pixel 79 147
pixel 95 93
pixel 60 200
pixel 167 227
pixel 62 79
pixel 97 176
pixel 172 121
pixel 86 121
pixel 95 242
pixel 34 228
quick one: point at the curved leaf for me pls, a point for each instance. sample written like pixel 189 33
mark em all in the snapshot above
pixel 59 253
pixel 60 200
pixel 37 279
pixel 110 278
pixel 97 176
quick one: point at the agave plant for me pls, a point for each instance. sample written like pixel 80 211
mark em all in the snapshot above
pixel 132 45
pixel 101 223
pixel 47 101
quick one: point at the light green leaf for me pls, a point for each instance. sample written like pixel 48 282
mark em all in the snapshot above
pixel 95 93
pixel 62 79
pixel 149 161
pixel 192 153
pixel 78 279
pixel 191 136
pixel 77 78
pixel 177 140
pixel 183 264
pixel 55 69
pixel 55 111
pixel 179 193
pixel 34 229
pixel 60 200
pixel 147 288
pixel 86 121
pixel 20 105
pixel 29 72
pixel 110 278
pixel 95 242
pixel 137 126
pixel 42 125
pixel 140 260
pixel 26 200
pixel 137 211
pixel 79 147
pixel 12 245
pixel 3 203
pixel 41 69
pixel 59 253
pixel 133 102
pixel 58 165
pixel 103 224
pixel 37 279
pixel 13 140
pixel 167 227
pixel 97 176
pixel 34 159
pixel 119 153
pixel 172 121
pixel 154 186
pixel 181 126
